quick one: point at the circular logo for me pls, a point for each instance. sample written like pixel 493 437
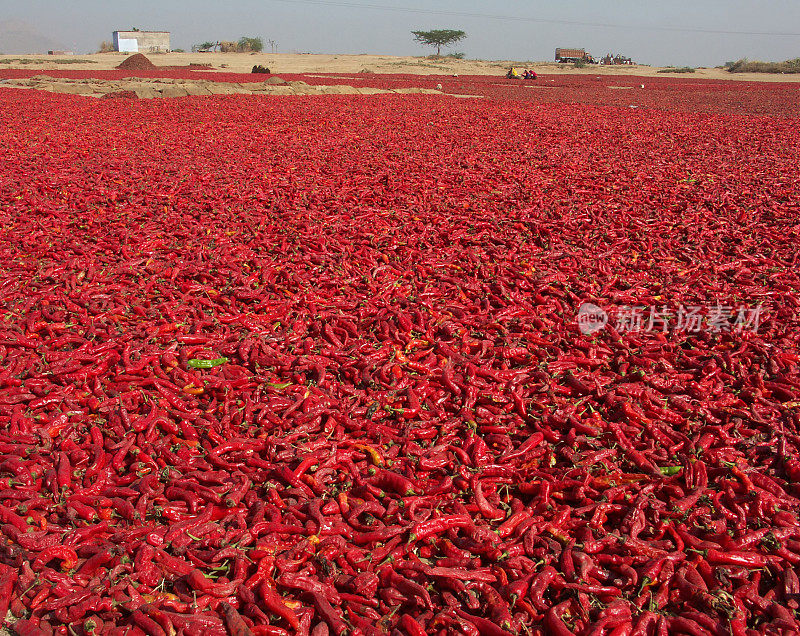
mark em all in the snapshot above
pixel 591 318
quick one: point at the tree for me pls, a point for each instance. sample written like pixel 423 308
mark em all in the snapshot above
pixel 246 44
pixel 439 38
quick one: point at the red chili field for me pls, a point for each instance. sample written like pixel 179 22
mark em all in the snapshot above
pixel 316 365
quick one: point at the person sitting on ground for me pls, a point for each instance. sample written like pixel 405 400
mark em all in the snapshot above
pixel 512 73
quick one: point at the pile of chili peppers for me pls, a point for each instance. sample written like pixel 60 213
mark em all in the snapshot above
pixel 312 366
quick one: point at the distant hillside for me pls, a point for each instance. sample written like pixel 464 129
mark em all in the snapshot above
pixel 17 36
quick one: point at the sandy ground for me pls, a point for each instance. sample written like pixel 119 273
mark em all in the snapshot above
pixel 312 63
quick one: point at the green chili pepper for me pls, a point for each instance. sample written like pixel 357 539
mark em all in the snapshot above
pixel 670 470
pixel 196 363
pixel 280 387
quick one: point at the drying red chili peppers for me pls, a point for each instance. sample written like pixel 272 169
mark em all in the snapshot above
pixel 304 366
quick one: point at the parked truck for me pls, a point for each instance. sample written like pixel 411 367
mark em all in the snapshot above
pixel 573 55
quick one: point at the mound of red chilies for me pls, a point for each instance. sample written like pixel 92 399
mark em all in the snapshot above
pixel 305 366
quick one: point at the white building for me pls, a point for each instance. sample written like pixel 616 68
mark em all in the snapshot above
pixel 141 41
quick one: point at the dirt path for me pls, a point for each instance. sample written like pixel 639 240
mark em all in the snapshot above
pixel 149 88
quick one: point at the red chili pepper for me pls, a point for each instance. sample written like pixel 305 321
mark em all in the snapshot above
pixel 393 482
pixel 486 509
pixel 64 553
pixel 411 626
pixel 96 561
pixel 498 608
pixel 9 517
pixel 406 586
pixel 270 630
pixel 484 626
pixel 539 586
pixel 329 614
pixel 147 624
pixel 8 578
pixel 438 525
pixel 275 604
pixel 744 559
pixel 234 621
pixel 25 627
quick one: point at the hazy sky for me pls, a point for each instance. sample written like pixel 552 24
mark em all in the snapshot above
pixel 680 32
